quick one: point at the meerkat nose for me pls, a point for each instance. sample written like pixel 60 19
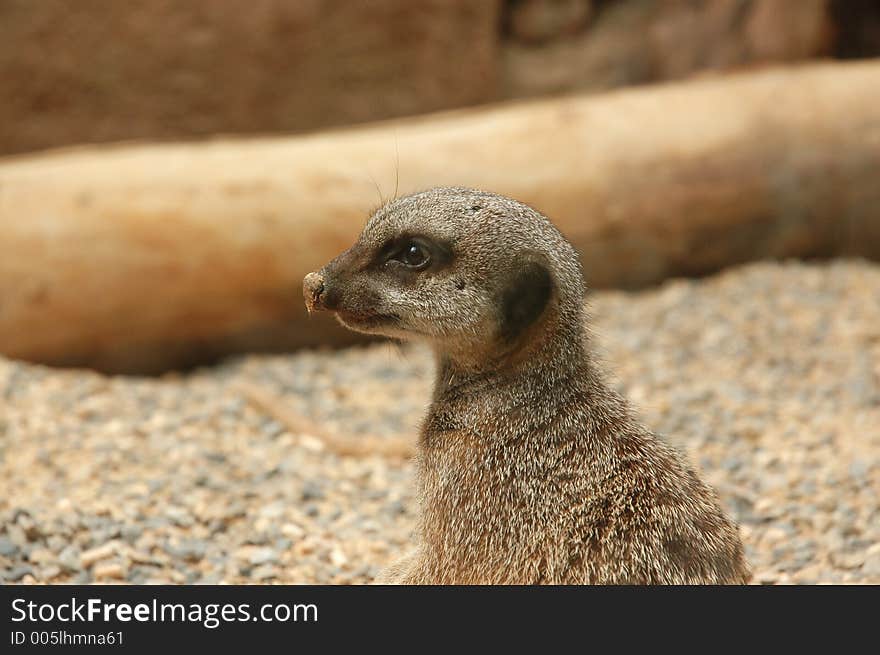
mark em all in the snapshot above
pixel 313 287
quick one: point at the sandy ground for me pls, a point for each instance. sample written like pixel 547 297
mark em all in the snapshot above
pixel 768 376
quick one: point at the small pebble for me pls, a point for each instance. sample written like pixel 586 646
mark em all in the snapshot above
pixel 93 555
pixel 8 548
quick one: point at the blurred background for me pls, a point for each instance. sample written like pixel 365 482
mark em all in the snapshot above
pixel 195 237
pixel 96 71
pixel 169 172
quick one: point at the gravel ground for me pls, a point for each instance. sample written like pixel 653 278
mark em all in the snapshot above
pixel 768 376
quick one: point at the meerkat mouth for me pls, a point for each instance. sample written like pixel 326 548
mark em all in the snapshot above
pixel 365 321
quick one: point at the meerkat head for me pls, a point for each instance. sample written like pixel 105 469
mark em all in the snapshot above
pixel 470 272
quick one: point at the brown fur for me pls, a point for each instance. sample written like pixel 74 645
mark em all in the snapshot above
pixel 531 470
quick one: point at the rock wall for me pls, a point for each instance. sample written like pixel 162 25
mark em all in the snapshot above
pixel 104 70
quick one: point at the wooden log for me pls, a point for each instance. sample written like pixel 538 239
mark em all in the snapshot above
pixel 144 257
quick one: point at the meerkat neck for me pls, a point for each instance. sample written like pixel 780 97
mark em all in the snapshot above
pixel 558 352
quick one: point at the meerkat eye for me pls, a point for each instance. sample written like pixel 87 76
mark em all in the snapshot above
pixel 414 255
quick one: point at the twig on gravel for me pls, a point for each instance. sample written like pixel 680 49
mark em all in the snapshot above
pixel 269 403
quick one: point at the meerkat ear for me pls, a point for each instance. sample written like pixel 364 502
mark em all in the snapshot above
pixel 524 299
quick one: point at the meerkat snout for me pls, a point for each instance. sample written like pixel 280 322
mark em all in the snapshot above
pixel 531 469
pixel 313 287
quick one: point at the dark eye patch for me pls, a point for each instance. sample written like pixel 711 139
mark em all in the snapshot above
pixel 414 253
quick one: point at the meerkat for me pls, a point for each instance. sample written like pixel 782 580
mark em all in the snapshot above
pixel 530 469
